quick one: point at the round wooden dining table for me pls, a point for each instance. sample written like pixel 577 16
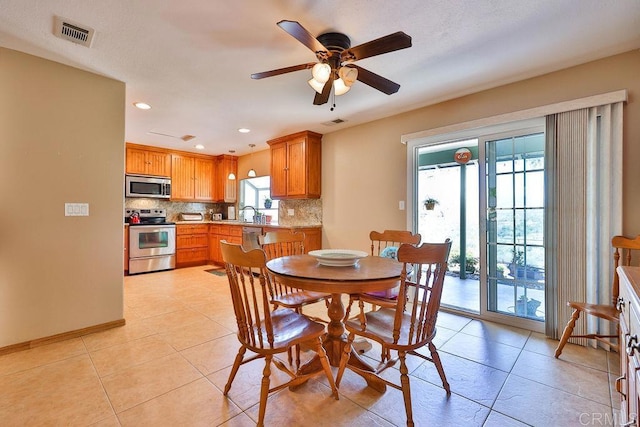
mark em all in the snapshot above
pixel 370 274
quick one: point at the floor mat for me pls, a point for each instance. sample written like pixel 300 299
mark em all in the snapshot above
pixel 217 271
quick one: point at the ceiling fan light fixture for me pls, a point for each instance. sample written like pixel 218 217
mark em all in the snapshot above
pixel 321 72
pixel 340 87
pixel 316 85
pixel 349 75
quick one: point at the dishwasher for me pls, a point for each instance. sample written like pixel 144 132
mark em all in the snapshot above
pixel 250 238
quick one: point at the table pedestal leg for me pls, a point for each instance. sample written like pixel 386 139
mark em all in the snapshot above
pixel 334 342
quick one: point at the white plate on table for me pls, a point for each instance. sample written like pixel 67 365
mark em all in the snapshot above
pixel 338 257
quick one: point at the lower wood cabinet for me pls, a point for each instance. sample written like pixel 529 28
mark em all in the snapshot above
pixel 628 384
pixel 192 245
pixel 219 232
pixel 197 244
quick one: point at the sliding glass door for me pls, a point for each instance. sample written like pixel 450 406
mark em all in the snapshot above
pixel 514 217
pixel 491 205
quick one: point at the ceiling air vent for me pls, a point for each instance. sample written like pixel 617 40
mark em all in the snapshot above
pixel 72 31
pixel 334 122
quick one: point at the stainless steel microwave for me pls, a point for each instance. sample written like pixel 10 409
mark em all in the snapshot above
pixel 147 186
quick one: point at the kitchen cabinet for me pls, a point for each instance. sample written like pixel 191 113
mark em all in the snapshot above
pixel 226 189
pixel 218 232
pixel 628 384
pixel 312 236
pixel 192 178
pixel 141 161
pixel 192 244
pixel 126 249
pixel 296 166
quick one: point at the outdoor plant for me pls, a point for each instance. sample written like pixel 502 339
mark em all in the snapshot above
pixel 527 306
pixel 430 203
pixel 267 203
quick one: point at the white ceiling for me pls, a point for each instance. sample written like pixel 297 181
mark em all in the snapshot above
pixel 192 60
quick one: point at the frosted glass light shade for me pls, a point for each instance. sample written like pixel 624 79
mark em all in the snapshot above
pixel 339 87
pixel 321 72
pixel 251 173
pixel 316 85
pixel 231 176
pixel 348 75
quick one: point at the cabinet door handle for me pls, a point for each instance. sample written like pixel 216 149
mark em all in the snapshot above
pixel 619 386
pixel 631 347
pixel 620 303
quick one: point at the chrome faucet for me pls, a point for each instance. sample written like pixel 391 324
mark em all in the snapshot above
pixel 255 212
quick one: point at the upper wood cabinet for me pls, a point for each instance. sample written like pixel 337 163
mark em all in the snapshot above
pixel 296 166
pixel 226 189
pixel 147 162
pixel 192 178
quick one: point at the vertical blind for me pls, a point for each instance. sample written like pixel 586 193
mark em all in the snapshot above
pixel 584 211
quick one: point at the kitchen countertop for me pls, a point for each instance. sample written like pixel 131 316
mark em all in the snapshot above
pixel 247 224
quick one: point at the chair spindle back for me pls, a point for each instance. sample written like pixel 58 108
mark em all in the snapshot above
pixel 391 238
pixel 277 244
pixel 426 266
pixel 249 281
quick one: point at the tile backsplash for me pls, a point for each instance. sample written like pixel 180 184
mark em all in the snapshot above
pixel 174 209
pixel 307 212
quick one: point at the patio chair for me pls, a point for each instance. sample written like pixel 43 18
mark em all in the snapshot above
pixel 263 331
pixel 622 255
pixel 403 325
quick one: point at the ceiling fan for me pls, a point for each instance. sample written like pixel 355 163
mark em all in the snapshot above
pixel 335 68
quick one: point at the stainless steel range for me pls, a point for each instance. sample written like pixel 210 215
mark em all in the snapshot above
pixel 152 240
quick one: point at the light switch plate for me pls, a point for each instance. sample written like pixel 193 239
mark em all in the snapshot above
pixel 401 205
pixel 76 209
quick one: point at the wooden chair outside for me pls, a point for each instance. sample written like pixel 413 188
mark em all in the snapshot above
pixel 263 331
pixel 409 322
pixel 623 248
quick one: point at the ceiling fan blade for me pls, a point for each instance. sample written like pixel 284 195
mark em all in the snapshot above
pixel 298 32
pixel 376 81
pixel 322 98
pixel 390 43
pixel 285 70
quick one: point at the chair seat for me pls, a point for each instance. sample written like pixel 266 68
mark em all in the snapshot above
pixel 289 328
pixel 603 311
pixel 299 298
pixel 380 328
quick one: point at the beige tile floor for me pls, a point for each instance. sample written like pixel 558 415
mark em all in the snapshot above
pixel 168 365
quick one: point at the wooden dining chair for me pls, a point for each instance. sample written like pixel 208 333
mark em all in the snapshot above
pixel 264 331
pixel 409 322
pixel 386 244
pixel 623 248
pixel 281 243
pixel 277 244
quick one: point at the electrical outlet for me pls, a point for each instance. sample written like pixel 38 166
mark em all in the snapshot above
pixel 290 212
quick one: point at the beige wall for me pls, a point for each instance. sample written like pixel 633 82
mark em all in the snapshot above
pixel 364 168
pixel 61 140
pixel 259 160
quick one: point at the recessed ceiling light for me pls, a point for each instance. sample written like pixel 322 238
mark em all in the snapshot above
pixel 142 105
pixel 200 147
pixel 244 130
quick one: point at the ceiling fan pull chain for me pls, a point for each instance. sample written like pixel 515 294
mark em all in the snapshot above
pixel 334 101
